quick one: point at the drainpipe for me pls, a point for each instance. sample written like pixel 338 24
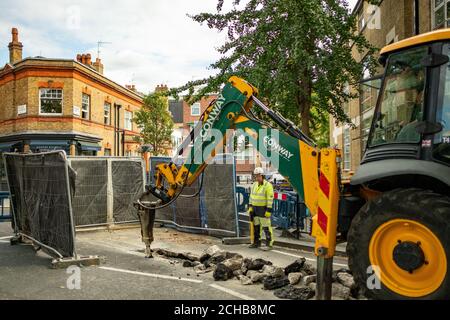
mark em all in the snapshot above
pixel 416 17
pixel 118 129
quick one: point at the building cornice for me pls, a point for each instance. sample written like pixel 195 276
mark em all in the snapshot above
pixel 73 66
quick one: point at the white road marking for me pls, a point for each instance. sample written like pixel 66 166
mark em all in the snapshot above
pixel 4 238
pixel 4 241
pixel 232 292
pixel 309 259
pixel 153 275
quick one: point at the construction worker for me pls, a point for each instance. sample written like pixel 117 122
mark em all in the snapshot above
pixel 260 210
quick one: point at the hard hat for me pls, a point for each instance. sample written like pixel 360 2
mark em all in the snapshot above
pixel 258 170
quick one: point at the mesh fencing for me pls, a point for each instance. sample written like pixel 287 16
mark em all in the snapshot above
pixel 90 198
pixel 41 186
pixel 214 209
pixel 106 188
pixel 127 186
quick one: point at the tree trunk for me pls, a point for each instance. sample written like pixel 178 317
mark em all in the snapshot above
pixel 305 118
pixel 304 102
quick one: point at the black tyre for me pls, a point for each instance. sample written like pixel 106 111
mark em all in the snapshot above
pixel 406 234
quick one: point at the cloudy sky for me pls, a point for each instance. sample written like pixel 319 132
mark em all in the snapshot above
pixel 151 41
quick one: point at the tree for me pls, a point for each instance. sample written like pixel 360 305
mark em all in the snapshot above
pixel 291 50
pixel 155 122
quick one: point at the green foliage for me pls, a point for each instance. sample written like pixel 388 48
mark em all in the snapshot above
pixel 289 49
pixel 155 122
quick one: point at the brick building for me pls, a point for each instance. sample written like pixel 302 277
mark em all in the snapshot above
pixel 391 21
pixel 48 104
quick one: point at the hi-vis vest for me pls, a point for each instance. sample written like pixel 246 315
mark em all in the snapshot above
pixel 262 196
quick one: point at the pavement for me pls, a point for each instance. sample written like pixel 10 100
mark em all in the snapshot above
pixel 124 272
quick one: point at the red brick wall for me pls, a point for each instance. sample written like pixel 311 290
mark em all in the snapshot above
pixel 187 118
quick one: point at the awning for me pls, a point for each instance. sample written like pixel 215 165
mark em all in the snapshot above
pixel 89 146
pixel 6 146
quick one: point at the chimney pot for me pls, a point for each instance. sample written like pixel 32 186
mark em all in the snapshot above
pixel 88 59
pixel 15 47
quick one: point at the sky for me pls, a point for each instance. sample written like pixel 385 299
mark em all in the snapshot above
pixel 151 42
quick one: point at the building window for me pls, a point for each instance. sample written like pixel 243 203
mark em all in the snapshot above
pixel 107 152
pixel 361 21
pixel 441 14
pixel 51 101
pixel 107 113
pixel 85 106
pixel 347 151
pixel 195 109
pixel 128 120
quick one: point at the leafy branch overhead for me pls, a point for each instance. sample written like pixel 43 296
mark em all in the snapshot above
pixel 155 123
pixel 299 53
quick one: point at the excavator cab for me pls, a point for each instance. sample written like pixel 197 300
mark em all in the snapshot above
pixel 401 233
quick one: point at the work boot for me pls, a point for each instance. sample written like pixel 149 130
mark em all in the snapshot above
pixel 255 245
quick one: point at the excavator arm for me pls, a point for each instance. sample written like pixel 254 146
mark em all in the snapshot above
pixel 312 172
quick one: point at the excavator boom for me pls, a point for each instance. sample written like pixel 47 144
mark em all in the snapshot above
pixel 312 172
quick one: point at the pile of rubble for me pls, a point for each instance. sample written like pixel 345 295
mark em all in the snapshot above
pixel 296 281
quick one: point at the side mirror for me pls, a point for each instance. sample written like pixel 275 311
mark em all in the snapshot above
pixel 426 127
pixel 434 60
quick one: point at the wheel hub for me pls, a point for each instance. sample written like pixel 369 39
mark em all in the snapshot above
pixel 409 256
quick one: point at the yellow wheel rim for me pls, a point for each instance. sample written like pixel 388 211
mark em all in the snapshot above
pixel 422 281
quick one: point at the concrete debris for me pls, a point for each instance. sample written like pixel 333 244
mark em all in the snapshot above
pixel 212 250
pixel 345 279
pixel 201 268
pixel 273 271
pixel 271 283
pixel 297 281
pixel 204 257
pixel 238 273
pixel 222 273
pixel 294 293
pixel 190 264
pixel 234 263
pixel 257 264
pixel 296 266
pixel 313 286
pixel 308 279
pixel 295 277
pixel 177 255
pixel 340 292
pixel 245 280
pixel 256 276
pixel 216 258
pixel 309 269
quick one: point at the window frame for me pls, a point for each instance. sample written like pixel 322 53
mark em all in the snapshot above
pixel 125 119
pixel 88 108
pixel 199 109
pixel 346 149
pixel 379 104
pixel 434 9
pixel 109 113
pixel 40 102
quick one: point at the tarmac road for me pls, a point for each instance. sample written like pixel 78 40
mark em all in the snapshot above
pixel 124 272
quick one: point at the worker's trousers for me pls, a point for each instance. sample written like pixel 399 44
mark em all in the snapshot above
pixel 262 224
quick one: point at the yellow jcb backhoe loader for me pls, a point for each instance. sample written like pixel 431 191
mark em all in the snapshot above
pixel 395 212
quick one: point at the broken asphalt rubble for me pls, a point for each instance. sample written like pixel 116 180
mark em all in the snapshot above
pixel 297 281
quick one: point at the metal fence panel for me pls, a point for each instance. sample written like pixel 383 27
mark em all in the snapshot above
pixel 106 189
pixel 90 197
pixel 40 188
pixel 214 210
pixel 127 186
